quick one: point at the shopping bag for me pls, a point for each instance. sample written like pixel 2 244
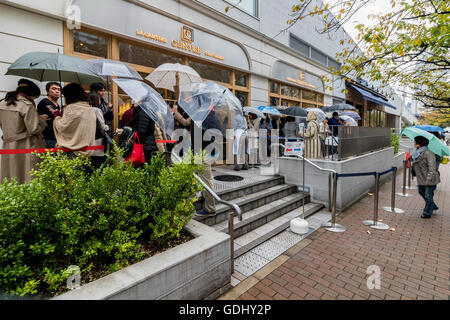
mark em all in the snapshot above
pixel 444 160
pixel 137 156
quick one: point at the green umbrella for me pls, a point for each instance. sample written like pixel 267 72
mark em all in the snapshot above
pixel 50 66
pixel 436 146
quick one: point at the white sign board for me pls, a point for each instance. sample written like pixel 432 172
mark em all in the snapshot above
pixel 294 148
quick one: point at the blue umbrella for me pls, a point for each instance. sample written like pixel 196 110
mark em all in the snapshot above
pixel 429 128
pixel 269 110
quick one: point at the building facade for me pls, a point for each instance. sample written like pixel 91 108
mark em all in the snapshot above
pixel 247 49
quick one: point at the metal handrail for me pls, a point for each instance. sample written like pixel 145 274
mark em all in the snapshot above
pixel 330 178
pixel 233 206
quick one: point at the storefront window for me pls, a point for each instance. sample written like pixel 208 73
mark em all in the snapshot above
pixel 320 98
pixel 274 87
pixel 243 97
pixel 91 44
pixel 240 79
pixel 308 105
pixel 309 95
pixel 285 90
pixel 143 56
pixel 294 92
pixel 274 101
pixel 211 72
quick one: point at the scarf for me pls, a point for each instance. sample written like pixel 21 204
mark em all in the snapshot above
pixel 418 152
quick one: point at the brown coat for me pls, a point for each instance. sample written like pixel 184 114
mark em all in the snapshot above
pixel 76 128
pixel 425 169
pixel 22 129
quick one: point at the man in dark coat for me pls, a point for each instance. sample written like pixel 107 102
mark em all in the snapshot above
pixel 46 106
pixel 107 108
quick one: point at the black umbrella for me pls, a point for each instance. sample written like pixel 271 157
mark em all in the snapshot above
pixel 295 112
pixel 339 107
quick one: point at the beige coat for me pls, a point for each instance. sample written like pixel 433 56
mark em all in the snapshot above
pixel 99 142
pixel 22 129
pixel 76 128
pixel 312 141
pixel 160 135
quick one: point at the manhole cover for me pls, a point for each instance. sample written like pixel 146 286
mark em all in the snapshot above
pixel 229 178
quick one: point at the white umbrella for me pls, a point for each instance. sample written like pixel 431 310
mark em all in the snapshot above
pixel 164 75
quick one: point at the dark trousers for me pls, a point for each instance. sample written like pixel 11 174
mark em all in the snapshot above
pixel 427 193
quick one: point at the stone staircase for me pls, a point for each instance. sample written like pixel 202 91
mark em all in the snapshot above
pixel 267 205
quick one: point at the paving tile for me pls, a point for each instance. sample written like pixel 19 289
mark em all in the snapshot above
pixel 249 263
pixel 269 250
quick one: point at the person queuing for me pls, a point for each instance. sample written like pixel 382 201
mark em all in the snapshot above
pixel 98 156
pixel 145 128
pixel 22 128
pixel 335 122
pixel 424 166
pixel 324 131
pixel 311 135
pixel 75 127
pixel 46 106
pixel 106 107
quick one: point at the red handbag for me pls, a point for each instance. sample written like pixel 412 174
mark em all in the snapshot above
pixel 137 156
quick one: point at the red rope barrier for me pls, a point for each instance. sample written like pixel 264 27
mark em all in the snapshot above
pixel 24 151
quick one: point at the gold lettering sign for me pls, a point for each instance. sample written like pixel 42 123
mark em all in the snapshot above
pixel 151 36
pixel 301 81
pixel 186 43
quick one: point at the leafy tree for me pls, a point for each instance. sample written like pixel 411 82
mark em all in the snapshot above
pixel 407 46
pixel 436 117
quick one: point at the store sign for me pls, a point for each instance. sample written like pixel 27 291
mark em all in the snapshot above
pixel 301 81
pixel 132 20
pixel 286 72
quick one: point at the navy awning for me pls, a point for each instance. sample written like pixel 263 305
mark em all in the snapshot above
pixel 370 97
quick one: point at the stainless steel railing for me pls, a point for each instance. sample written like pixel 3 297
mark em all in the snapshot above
pixel 233 206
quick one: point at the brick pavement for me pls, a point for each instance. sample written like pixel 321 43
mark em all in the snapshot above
pixel 414 259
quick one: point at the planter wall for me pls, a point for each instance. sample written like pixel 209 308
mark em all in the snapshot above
pixel 198 269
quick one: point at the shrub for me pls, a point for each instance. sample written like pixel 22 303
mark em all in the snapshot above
pixel 395 141
pixel 97 221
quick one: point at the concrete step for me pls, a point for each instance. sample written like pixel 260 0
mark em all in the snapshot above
pixel 258 217
pixel 254 238
pixel 249 202
pixel 240 191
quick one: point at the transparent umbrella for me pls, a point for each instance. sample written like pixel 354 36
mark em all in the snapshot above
pixel 150 101
pixel 254 110
pixel 320 114
pixel 350 120
pixel 113 68
pixel 210 106
pixel 164 75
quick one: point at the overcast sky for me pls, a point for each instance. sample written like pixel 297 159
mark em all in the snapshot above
pixel 361 16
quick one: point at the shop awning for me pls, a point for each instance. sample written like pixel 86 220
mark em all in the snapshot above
pixel 370 97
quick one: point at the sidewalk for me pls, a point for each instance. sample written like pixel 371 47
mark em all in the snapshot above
pixel 414 259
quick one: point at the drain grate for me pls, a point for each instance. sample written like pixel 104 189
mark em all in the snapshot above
pixel 228 178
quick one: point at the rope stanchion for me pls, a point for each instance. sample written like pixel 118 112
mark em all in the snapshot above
pixel 362 174
pixel 404 194
pixel 333 226
pixel 410 175
pixel 392 208
pixel 375 224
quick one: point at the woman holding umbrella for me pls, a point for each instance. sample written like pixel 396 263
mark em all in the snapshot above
pixel 22 128
pixel 424 165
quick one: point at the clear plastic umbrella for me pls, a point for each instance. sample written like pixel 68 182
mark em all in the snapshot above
pixel 113 68
pixel 210 105
pixel 254 110
pixel 150 101
pixel 349 119
pixel 351 114
pixel 164 75
pixel 320 114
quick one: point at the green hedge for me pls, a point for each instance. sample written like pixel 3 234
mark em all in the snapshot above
pixel 67 217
